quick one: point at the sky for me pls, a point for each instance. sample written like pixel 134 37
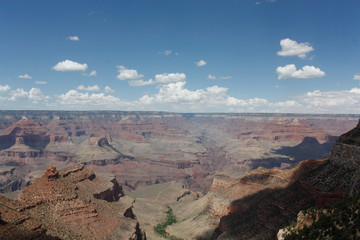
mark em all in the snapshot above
pixel 280 56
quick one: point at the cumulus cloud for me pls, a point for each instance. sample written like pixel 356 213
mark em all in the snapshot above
pixel 225 77
pixel 344 101
pixel 18 94
pixel 109 90
pixel 40 82
pixel 5 88
pixel 94 88
pixel 74 38
pixel 289 71
pixel 356 76
pixel 176 93
pixel 216 90
pixel 34 94
pixel 292 48
pixel 166 78
pixel 74 99
pixel 213 98
pixel 128 74
pixel 26 76
pixel 70 66
pixel 200 63
pixel 172 93
pixel 177 96
pixel 140 83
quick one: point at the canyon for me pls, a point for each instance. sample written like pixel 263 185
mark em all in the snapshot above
pixel 224 175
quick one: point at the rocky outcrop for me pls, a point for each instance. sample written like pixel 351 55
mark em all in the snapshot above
pixel 70 203
pixel 338 221
pixel 15 224
pixel 110 193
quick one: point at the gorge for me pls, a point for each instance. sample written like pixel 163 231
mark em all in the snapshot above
pixel 224 175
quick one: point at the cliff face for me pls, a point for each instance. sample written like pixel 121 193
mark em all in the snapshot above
pixel 72 203
pixel 312 183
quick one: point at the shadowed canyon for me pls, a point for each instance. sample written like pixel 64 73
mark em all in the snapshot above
pixel 112 175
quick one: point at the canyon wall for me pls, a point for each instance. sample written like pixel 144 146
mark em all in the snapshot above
pixel 144 148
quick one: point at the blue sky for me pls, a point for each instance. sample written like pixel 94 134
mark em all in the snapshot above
pixel 297 56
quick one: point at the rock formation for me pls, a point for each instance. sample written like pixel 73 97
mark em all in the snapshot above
pixel 144 148
pixel 211 169
pixel 317 183
pixel 72 203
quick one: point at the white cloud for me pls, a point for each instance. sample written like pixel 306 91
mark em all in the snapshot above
pixel 5 88
pixel 166 52
pixel 27 76
pixel 355 90
pixel 140 83
pixel 94 88
pixel 173 93
pixel 128 74
pixel 176 97
pixel 35 95
pixel 357 76
pixel 212 77
pixel 69 66
pixel 18 94
pixel 74 99
pixel 344 101
pixel 166 78
pixel 214 97
pixel 109 90
pixel 91 74
pixel 289 71
pixel 40 82
pixel 292 48
pixel 200 63
pixel 217 90
pixel 74 38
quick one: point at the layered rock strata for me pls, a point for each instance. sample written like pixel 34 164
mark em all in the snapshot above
pixel 72 203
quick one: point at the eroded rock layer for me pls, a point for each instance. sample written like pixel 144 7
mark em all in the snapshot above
pixel 72 203
pixel 144 148
pixel 313 183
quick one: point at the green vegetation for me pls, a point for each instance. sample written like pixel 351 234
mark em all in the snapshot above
pixel 161 227
pixel 339 221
